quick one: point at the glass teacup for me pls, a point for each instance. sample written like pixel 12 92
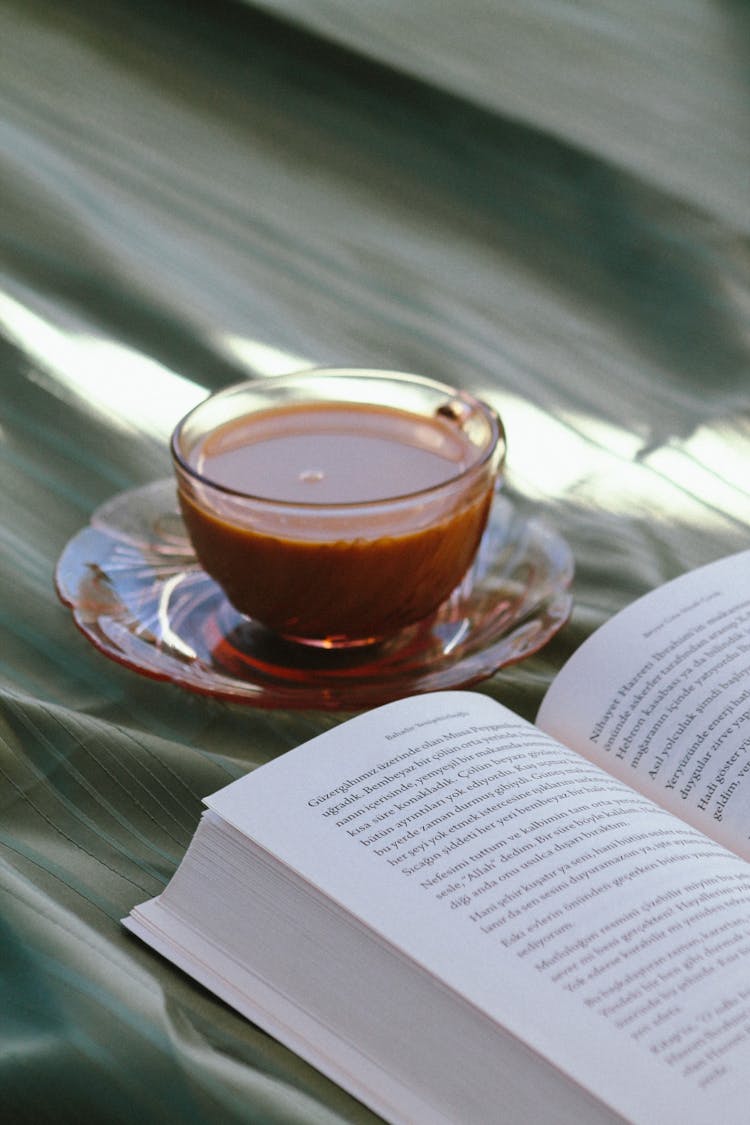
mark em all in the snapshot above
pixel 337 506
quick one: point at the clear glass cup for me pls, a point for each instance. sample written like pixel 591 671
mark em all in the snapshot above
pixel 310 497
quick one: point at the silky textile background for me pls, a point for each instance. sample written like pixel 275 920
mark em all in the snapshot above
pixel 546 203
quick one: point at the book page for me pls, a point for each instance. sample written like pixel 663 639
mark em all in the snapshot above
pixel 598 929
pixel 660 697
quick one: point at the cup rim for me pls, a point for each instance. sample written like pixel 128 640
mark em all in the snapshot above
pixel 498 440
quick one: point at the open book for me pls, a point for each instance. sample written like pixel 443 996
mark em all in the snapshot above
pixel 461 917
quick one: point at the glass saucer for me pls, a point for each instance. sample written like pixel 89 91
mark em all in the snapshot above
pixel 138 594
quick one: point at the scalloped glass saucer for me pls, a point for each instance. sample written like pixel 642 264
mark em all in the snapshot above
pixel 138 594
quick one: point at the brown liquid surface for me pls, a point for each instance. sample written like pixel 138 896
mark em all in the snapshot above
pixel 368 582
pixel 332 453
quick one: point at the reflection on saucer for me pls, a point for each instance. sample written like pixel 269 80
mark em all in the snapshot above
pixel 139 595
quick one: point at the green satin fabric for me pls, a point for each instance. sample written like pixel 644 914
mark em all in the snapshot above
pixel 545 203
